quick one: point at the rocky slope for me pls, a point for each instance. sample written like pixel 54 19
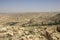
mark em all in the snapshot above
pixel 40 21
pixel 20 27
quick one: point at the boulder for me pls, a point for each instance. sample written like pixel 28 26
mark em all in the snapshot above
pixel 58 29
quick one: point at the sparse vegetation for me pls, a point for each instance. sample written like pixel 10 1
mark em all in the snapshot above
pixel 9 36
pixel 31 32
pixel 27 28
pixel 48 36
pixel 11 23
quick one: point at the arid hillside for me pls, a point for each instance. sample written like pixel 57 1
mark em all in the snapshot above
pixel 30 26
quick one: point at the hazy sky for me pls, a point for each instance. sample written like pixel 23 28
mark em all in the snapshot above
pixel 29 5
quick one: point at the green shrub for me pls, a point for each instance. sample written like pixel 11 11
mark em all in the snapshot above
pixel 31 32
